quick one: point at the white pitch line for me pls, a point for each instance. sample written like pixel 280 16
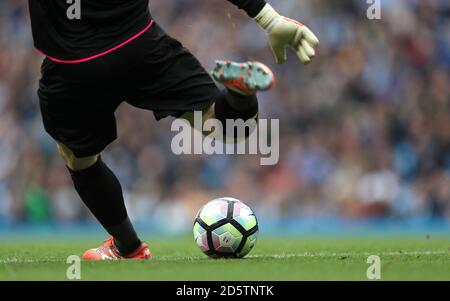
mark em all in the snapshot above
pixel 348 254
pixel 14 260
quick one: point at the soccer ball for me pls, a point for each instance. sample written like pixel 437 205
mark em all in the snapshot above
pixel 225 228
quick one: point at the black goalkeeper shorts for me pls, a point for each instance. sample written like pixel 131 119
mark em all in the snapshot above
pixel 154 72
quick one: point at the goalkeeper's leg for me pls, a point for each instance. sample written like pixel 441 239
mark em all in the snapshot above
pixel 238 100
pixel 101 192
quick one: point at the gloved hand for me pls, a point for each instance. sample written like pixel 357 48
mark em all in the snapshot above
pixel 284 33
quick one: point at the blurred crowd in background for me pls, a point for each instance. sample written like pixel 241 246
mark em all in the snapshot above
pixel 364 129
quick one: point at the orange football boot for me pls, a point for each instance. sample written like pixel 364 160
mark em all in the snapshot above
pixel 244 78
pixel 108 251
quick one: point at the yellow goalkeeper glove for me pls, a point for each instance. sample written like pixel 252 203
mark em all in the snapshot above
pixel 284 32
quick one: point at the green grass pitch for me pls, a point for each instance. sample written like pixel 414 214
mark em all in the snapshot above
pixel 272 259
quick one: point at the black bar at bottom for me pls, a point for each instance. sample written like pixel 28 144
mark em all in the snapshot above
pixel 208 290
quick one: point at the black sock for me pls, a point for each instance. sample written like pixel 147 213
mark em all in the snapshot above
pixel 232 105
pixel 129 241
pixel 101 192
pixel 241 102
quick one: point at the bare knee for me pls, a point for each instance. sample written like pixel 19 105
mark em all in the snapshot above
pixel 74 163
